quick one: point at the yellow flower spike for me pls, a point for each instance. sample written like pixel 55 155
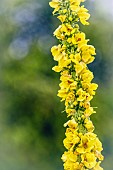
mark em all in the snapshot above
pixel 73 54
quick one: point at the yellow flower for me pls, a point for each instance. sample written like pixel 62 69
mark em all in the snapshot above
pixel 85 85
pixel 87 52
pixel 75 58
pixel 70 161
pixel 98 145
pixel 70 112
pixel 79 67
pixel 89 87
pixel 89 125
pixel 62 18
pixel 68 143
pixel 99 155
pixel 55 4
pixel 63 30
pixel 88 48
pixel 86 104
pixel 92 87
pixel 97 166
pixel 79 39
pixel 69 100
pixel 91 136
pixel 69 156
pixel 59 32
pixel 71 139
pixel 62 93
pixel 65 76
pixel 57 68
pixel 67 29
pixel 71 123
pixel 82 95
pixel 89 111
pixel 83 15
pixel 86 144
pixel 87 76
pixel 87 58
pixel 73 85
pixel 57 52
pixel 66 83
pixel 74 5
pixel 89 160
pixel 64 62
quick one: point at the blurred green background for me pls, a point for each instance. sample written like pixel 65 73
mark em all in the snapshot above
pixel 31 122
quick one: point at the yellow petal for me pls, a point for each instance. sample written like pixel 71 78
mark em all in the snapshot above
pixel 57 68
pixel 62 18
pixel 54 4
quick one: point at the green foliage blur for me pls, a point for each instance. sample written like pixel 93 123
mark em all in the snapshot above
pixel 31 118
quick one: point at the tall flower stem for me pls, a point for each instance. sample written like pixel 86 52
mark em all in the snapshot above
pixel 73 54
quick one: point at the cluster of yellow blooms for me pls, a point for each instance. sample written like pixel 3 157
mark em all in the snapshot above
pixel 73 54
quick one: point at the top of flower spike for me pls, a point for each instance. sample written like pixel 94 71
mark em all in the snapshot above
pixel 64 7
pixel 55 3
